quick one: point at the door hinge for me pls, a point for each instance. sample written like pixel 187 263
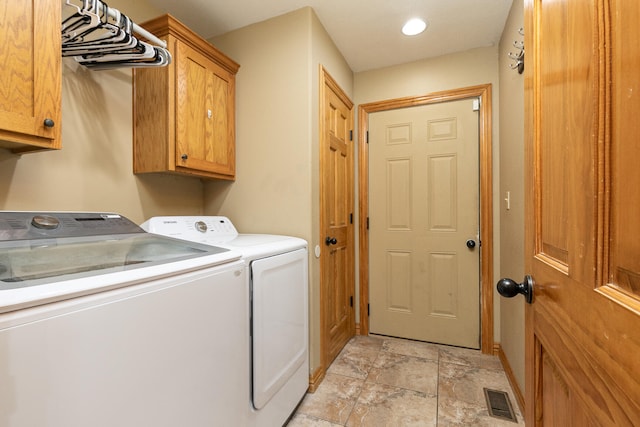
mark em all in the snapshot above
pixel 367 223
pixel 367 137
pixel 368 310
pixel 351 135
pixel 351 218
pixel 351 300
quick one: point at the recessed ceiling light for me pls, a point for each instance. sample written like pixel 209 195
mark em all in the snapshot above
pixel 414 27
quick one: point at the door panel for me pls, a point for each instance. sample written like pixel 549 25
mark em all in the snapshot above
pixel 423 189
pixel 624 262
pixel 205 121
pixel 583 328
pixel 337 255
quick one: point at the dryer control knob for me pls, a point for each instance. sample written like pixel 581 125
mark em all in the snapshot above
pixel 201 226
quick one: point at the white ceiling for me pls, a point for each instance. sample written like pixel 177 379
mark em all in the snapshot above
pixel 367 32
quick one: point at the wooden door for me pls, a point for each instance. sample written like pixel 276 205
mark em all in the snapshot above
pixel 424 223
pixel 337 286
pixel 583 222
pixel 205 125
pixel 31 76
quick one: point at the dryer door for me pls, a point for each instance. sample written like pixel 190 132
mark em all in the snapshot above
pixel 280 322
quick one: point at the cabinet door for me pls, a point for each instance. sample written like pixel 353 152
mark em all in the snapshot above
pixel 205 127
pixel 30 76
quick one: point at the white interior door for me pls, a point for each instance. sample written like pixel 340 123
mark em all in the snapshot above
pixel 424 223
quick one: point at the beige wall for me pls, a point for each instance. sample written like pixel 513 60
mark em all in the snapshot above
pixel 276 190
pixel 512 180
pixel 470 68
pixel 93 171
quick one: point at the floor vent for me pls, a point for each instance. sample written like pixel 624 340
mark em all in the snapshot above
pixel 499 405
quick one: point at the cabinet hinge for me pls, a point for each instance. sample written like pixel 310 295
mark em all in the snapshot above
pixel 351 300
pixel 351 135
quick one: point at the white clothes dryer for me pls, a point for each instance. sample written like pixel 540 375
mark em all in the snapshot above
pixel 279 327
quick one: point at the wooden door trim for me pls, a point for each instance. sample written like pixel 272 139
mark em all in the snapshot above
pixel 483 92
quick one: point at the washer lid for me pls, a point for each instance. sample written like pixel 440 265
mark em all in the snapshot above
pixel 43 247
pixel 256 246
pixel 36 262
pixel 46 257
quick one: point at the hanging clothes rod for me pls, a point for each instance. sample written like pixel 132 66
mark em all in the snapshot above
pixel 102 38
pixel 141 31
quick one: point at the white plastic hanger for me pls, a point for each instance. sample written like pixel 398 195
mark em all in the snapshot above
pixel 101 37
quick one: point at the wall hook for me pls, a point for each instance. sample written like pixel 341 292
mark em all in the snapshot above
pixel 518 57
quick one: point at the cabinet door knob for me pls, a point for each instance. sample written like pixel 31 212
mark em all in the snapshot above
pixel 49 123
pixel 184 157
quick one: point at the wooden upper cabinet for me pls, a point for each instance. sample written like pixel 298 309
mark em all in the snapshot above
pixel 30 75
pixel 184 114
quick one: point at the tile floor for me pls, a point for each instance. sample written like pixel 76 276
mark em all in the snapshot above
pixel 381 381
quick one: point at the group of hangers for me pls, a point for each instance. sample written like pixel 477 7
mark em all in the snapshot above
pixel 100 37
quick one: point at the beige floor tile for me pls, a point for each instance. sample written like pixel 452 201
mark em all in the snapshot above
pixel 382 381
pixel 381 405
pixel 411 348
pixel 357 357
pixel 464 356
pixel 333 400
pixel 302 420
pixel 452 412
pixel 466 383
pixel 461 400
pixel 367 341
pixel 408 372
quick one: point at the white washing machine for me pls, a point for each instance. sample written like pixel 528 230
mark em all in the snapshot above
pixel 103 324
pixel 278 285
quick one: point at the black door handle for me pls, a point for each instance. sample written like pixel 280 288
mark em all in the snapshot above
pixel 509 288
pixel 471 243
pixel 330 241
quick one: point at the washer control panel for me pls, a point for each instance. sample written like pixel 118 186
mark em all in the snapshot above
pixel 196 228
pixel 46 225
